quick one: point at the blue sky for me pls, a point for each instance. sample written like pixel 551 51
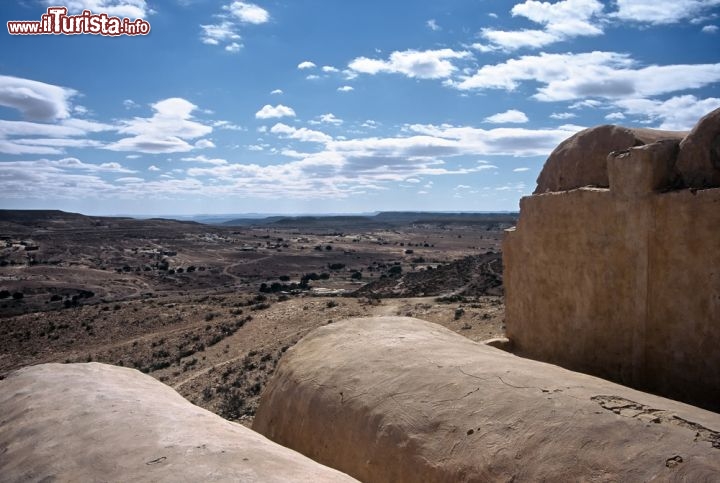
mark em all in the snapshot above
pixel 321 106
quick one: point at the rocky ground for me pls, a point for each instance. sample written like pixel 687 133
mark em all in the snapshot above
pixel 211 310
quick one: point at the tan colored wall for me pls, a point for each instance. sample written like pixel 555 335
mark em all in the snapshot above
pixel 621 283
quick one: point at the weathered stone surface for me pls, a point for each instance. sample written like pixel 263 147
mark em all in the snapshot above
pixel 699 157
pixel 623 287
pixel 581 160
pixel 403 400
pixel 92 422
pixel 644 169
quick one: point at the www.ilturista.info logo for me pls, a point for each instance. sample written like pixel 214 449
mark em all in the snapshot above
pixel 57 22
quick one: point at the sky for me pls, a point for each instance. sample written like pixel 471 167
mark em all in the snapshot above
pixel 334 106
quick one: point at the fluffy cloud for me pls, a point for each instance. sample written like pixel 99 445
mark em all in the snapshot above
pixel 233 47
pixel 659 12
pixel 214 34
pixel 329 118
pixel 205 160
pixel 345 89
pixel 428 64
pixel 248 12
pixel 710 29
pixel 306 65
pixel 301 134
pixel 276 92
pixel 233 16
pixel 607 75
pixel 561 20
pixel 167 131
pixel 269 112
pixel 510 116
pixel 678 113
pixel 119 8
pixel 36 101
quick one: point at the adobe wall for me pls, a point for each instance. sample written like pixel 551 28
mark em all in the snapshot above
pixel 623 283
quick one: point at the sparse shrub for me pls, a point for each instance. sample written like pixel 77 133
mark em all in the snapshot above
pixel 233 405
pixel 331 304
pixel 336 266
pixel 459 312
pixel 356 275
pixel 4 294
pixel 18 296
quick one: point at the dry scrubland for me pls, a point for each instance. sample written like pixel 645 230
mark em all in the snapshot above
pixel 210 310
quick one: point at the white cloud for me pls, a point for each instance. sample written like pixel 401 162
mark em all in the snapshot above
pixel 233 47
pixel 520 170
pixel 561 21
pixel 36 101
pixel 562 115
pixel 23 137
pixel 205 160
pixel 204 144
pixel 510 116
pixel 330 118
pixel 710 29
pixel 615 116
pixel 130 104
pixel 659 12
pixel 301 134
pixel 120 8
pixel 214 34
pixel 609 75
pixel 276 92
pixel 228 126
pixel 433 25
pixel 678 113
pixel 154 168
pixel 312 77
pixel 330 69
pixel 269 112
pixel 306 65
pixel 248 12
pixel 428 64
pixel 345 89
pixel 165 132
